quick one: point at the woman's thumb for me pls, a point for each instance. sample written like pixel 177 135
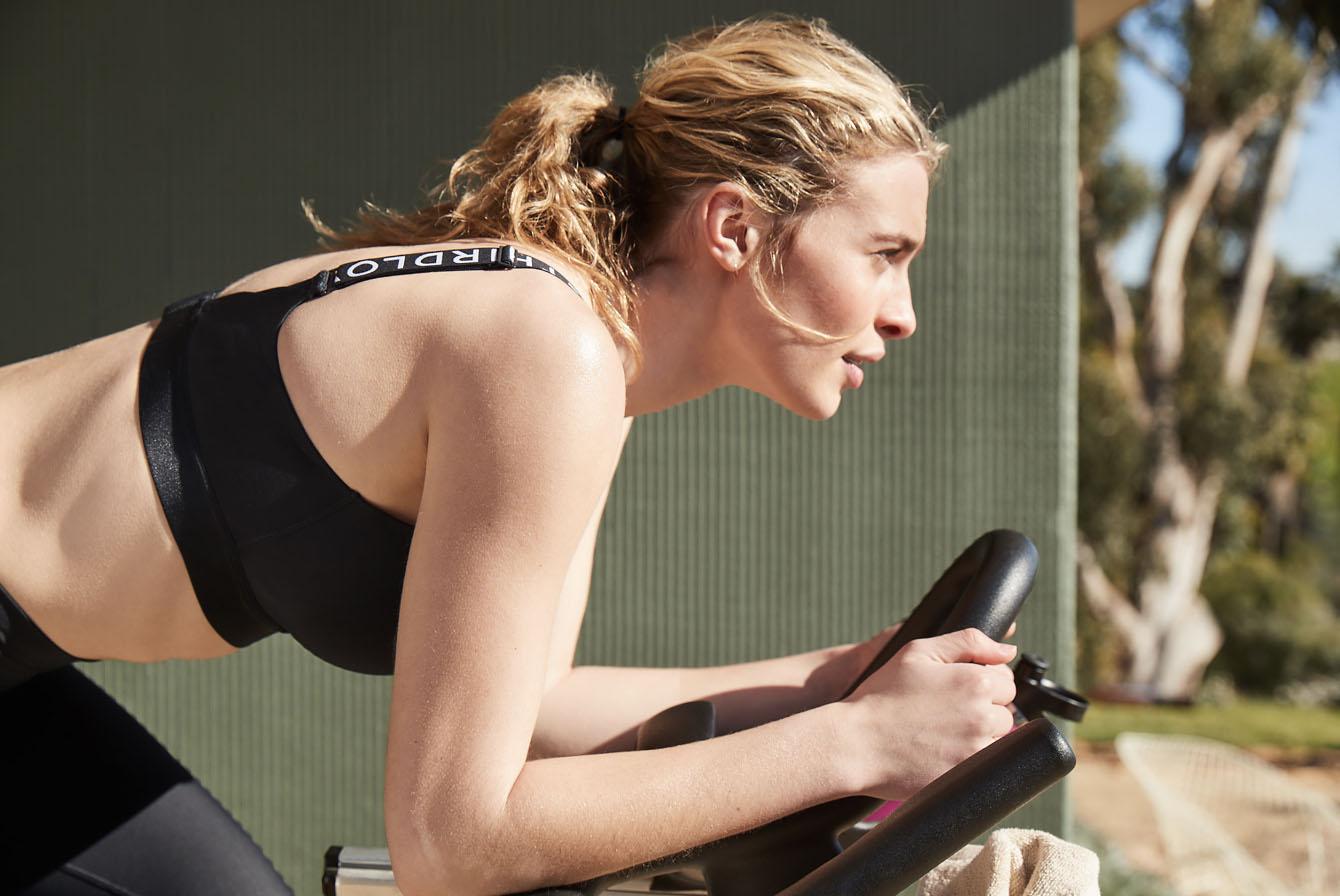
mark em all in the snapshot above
pixel 970 645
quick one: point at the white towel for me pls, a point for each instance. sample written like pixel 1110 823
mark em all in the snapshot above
pixel 1016 862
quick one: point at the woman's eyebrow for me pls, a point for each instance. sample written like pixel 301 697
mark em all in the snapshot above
pixel 910 241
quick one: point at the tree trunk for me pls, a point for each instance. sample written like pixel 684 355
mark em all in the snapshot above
pixel 1184 636
pixel 1169 630
pixel 1172 635
pixel 1259 267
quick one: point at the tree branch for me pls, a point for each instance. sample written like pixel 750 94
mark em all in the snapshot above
pixel 1186 207
pixel 1149 62
pixel 1105 598
pixel 1098 255
pixel 1259 268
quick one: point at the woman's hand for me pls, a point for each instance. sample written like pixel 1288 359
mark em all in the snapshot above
pixel 932 705
pixel 842 664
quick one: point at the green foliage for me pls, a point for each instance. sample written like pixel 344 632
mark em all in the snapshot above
pixel 1304 18
pixel 1213 420
pixel 1244 723
pixel 1099 657
pixel 1232 62
pixel 1257 431
pixel 1274 579
pixel 1122 194
pixel 1100 99
pixel 1305 310
pixel 1119 187
pixel 1278 395
pixel 1278 627
pixel 1321 492
pixel 1112 456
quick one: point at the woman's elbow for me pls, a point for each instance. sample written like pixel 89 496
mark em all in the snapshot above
pixel 429 859
pixel 445 870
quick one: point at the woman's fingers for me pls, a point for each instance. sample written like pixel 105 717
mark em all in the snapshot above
pixel 967 646
pixel 1003 684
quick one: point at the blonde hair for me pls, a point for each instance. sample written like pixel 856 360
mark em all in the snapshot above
pixel 775 104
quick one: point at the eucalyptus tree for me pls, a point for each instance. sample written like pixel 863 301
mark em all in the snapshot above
pixel 1173 408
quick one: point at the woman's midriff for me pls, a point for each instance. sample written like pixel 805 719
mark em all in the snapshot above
pixel 84 546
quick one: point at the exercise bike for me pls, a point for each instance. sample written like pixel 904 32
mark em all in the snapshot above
pixel 836 849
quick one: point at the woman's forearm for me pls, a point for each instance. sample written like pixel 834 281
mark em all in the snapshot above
pixel 572 818
pixel 598 708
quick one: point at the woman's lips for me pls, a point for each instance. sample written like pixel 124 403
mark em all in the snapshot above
pixel 855 375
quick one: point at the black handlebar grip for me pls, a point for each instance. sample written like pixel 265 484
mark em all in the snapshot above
pixel 983 588
pixel 952 810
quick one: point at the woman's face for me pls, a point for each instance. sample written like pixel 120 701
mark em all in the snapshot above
pixel 845 274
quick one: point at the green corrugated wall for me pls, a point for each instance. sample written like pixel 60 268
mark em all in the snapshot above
pixel 152 149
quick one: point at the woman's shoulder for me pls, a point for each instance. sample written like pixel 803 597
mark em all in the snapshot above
pixel 526 310
pixel 455 326
pixel 521 330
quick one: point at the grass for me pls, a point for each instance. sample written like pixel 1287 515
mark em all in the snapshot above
pixel 1244 723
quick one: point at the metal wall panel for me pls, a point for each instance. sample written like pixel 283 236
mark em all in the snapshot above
pixel 155 149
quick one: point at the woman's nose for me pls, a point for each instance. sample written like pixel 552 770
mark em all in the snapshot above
pixel 897 319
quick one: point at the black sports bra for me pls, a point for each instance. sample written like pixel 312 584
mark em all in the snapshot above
pixel 272 538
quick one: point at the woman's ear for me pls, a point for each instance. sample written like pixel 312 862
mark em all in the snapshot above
pixel 731 226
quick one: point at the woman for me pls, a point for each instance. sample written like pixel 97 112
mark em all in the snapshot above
pixel 398 451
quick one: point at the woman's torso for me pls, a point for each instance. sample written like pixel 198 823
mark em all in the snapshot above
pixel 87 550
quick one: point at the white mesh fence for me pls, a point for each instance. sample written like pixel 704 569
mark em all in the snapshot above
pixel 1232 824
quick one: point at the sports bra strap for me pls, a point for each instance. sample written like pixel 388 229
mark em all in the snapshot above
pixel 483 258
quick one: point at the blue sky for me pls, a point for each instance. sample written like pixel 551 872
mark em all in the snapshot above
pixel 1308 230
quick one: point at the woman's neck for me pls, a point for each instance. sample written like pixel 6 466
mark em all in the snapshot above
pixel 678 325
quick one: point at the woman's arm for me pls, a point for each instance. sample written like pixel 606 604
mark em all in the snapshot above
pixel 522 438
pixel 596 709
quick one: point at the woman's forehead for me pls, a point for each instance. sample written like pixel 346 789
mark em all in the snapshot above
pixel 884 196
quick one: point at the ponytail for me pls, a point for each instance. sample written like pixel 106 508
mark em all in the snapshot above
pixel 542 177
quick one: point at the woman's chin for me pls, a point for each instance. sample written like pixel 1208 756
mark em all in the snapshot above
pixel 814 406
pixel 811 401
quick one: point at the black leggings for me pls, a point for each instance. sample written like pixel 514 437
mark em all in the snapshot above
pixel 92 804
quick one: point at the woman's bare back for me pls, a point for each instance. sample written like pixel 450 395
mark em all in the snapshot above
pixel 87 550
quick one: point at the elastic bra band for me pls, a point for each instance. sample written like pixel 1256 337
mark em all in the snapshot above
pixel 172 444
pixel 172 447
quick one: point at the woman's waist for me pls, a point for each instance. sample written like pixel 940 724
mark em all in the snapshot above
pixel 84 548
pixel 106 597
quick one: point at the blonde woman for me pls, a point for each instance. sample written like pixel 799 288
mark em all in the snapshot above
pixel 398 452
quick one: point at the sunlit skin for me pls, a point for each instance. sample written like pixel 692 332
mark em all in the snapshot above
pixel 701 325
pixel 845 274
pixel 489 409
